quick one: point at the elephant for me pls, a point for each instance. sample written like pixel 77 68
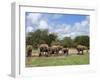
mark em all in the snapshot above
pixel 43 48
pixel 29 50
pixel 80 49
pixel 55 49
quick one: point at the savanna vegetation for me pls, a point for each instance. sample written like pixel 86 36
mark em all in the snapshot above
pixel 44 37
pixel 38 37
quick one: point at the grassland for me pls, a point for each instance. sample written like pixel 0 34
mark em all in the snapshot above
pixel 58 60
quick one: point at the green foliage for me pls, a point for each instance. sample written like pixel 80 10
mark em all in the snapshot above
pixel 51 38
pixel 44 37
pixel 67 42
pixel 56 43
pixel 39 37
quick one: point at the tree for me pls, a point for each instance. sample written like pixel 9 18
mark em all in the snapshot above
pixel 51 37
pixel 40 37
pixel 29 38
pixel 67 42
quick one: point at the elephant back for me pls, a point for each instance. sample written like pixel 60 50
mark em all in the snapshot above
pixel 81 47
pixel 43 45
pixel 56 48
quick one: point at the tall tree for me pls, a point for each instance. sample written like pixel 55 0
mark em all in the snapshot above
pixel 40 37
pixel 51 37
pixel 67 42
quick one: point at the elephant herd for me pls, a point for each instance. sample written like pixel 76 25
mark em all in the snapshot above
pixel 45 50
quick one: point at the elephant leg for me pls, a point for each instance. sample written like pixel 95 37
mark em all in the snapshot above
pixel 49 53
pixel 82 52
pixel 78 52
pixel 46 54
pixel 57 53
pixel 67 53
pixel 40 54
pixel 29 54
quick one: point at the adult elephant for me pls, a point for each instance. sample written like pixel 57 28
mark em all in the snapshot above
pixel 29 50
pixel 55 49
pixel 43 50
pixel 80 49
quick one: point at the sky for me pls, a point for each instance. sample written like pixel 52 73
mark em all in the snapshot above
pixel 64 25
